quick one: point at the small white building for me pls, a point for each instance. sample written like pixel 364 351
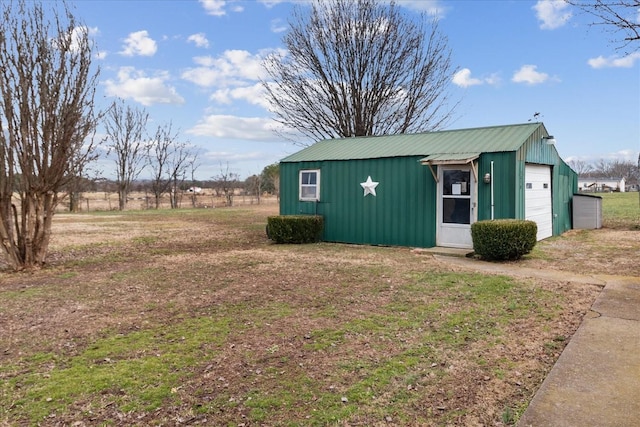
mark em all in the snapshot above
pixel 601 185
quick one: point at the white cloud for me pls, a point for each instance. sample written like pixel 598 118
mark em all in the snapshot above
pixel 228 156
pixel 493 80
pixel 139 43
pixel 270 3
pixel 463 79
pixel 552 13
pixel 234 67
pixel 74 39
pixel 627 155
pixel 252 94
pixel 431 7
pixel 200 40
pixel 214 7
pixel 233 127
pixel 528 74
pixel 218 7
pixel 614 61
pixel 278 26
pixel 145 90
pixel 101 54
pixel 78 33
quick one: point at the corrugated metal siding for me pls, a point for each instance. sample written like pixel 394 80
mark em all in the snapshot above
pixel 482 140
pixel 504 185
pixel 566 184
pixel 535 150
pixel 402 213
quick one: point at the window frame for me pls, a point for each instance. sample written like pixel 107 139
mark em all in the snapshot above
pixel 301 185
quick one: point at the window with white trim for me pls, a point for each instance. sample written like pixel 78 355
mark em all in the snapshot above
pixel 310 184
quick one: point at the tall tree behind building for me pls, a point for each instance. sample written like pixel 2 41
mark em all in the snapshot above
pixel 357 68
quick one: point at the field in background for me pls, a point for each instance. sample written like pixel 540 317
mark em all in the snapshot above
pixel 621 210
pixel 108 201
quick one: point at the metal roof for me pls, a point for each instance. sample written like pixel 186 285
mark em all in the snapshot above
pixel 441 144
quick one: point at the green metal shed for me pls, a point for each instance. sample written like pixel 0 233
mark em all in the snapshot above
pixel 426 189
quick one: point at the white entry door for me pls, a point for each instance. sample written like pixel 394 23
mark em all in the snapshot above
pixel 456 206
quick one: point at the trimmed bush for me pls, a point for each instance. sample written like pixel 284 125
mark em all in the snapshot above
pixel 295 228
pixel 503 239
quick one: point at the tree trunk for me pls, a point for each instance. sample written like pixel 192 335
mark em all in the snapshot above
pixel 122 199
pixel 74 200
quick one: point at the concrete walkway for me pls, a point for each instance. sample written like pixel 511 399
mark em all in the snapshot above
pixel 596 380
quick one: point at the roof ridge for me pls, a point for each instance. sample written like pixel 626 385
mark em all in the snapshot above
pixel 433 131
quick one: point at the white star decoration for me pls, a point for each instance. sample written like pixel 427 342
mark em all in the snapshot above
pixel 369 186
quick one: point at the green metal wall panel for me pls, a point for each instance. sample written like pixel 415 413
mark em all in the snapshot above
pixel 566 181
pixel 402 212
pixel 504 186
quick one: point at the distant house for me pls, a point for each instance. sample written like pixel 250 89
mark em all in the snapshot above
pixel 426 189
pixel 599 185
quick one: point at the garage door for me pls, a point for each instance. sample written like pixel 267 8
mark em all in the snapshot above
pixel 537 200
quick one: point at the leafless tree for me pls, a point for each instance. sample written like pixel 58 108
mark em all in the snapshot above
pixel 618 17
pixel 159 153
pixel 623 169
pixel 47 120
pixel 179 161
pixel 253 185
pixel 169 159
pixel 580 166
pixel 626 169
pixel 227 182
pixel 125 127
pixel 359 67
pixel 193 166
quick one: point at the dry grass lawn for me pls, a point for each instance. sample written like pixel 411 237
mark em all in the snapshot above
pixel 194 317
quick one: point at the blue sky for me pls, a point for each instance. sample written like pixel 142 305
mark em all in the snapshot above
pixel 197 63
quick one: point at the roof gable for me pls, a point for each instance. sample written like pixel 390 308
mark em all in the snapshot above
pixel 448 142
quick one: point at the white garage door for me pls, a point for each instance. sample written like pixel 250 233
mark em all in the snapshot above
pixel 537 200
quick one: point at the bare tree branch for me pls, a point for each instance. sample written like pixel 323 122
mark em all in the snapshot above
pixel 169 160
pixel 125 127
pixel 619 17
pixel 227 182
pixel 159 152
pixel 47 120
pixel 359 67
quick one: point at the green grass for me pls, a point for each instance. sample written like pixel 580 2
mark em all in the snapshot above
pixel 621 210
pixel 139 370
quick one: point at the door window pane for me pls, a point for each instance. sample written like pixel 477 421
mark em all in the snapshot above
pixel 456 182
pixel 456 211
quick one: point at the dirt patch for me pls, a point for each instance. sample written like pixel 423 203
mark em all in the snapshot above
pixel 308 335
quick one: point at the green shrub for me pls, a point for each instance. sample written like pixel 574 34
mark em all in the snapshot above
pixel 503 239
pixel 295 228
